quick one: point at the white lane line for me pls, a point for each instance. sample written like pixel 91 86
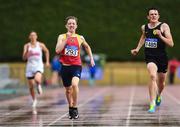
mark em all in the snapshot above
pixel 16 110
pixel 130 106
pixel 26 108
pixel 172 97
pixel 21 108
pixel 25 99
pixel 80 105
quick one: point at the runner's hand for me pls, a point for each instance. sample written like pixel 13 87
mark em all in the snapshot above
pixel 157 32
pixel 68 35
pixel 47 64
pixel 92 62
pixel 134 52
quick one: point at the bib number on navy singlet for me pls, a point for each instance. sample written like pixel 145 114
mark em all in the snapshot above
pixel 151 42
pixel 71 51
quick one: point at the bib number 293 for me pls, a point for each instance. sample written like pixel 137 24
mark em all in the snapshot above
pixel 71 51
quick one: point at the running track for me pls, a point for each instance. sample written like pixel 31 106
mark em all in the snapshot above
pixel 98 106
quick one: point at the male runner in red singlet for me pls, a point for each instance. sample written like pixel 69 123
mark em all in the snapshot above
pixel 68 46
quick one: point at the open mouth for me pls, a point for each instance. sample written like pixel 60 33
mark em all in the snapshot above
pixel 71 27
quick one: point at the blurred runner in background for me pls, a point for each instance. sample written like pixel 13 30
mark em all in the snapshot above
pixel 34 68
pixel 173 64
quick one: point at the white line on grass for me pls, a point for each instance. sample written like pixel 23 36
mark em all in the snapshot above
pixel 130 106
pixel 80 105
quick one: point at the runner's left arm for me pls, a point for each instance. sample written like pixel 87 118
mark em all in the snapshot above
pixel 167 38
pixel 88 50
pixel 46 51
pixel 25 52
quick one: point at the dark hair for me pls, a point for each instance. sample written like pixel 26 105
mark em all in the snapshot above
pixel 71 17
pixel 152 8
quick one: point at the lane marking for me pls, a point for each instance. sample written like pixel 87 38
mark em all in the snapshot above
pixel 130 106
pixel 80 105
pixel 26 108
pixel 16 110
pixel 172 97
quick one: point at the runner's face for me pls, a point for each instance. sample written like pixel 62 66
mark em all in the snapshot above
pixel 33 36
pixel 153 16
pixel 71 25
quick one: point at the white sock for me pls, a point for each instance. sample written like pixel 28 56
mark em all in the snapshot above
pixel 153 103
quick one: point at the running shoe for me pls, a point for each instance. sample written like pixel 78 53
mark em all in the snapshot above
pixel 39 89
pixel 158 100
pixel 75 113
pixel 152 108
pixel 70 112
pixel 34 103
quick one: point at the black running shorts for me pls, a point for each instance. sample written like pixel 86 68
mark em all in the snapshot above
pixel 160 61
pixel 68 72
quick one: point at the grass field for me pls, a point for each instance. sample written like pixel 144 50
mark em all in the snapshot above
pixel 115 73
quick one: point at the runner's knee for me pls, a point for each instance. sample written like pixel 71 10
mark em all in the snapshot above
pixel 31 87
pixel 68 91
pixel 75 81
pixel 153 77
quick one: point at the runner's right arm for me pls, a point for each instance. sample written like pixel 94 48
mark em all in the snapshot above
pixel 140 43
pixel 25 51
pixel 61 42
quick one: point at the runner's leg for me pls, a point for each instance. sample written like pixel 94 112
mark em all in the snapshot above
pixel 152 69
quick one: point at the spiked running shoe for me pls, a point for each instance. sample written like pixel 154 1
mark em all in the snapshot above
pixel 75 113
pixel 152 108
pixel 70 112
pixel 158 100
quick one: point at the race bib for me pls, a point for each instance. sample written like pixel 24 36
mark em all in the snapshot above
pixel 71 51
pixel 151 42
